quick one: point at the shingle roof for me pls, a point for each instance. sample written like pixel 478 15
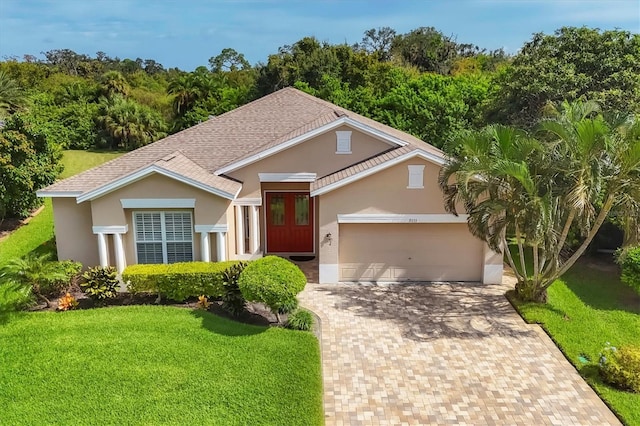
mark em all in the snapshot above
pixel 227 138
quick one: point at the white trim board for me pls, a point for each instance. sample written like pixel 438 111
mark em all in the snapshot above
pixel 157 203
pixel 142 173
pixel 247 201
pixel 385 137
pixel 402 218
pixel 211 228
pixel 57 194
pixel 287 177
pixel 111 229
pixel 375 169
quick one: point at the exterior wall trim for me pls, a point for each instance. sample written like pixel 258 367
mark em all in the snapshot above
pixel 328 273
pixel 391 140
pixel 211 228
pixel 111 229
pixel 287 177
pixel 346 181
pixel 247 201
pixel 58 194
pixel 157 203
pixel 140 174
pixel 402 218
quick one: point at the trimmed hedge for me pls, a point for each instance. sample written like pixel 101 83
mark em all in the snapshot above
pixel 178 281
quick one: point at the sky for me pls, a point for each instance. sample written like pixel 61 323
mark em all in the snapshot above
pixel 187 33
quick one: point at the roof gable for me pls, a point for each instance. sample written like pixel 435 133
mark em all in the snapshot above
pixel 371 166
pixel 175 166
pixel 297 137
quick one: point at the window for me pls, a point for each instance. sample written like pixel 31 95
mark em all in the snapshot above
pixel 163 237
pixel 416 176
pixel 343 142
pixel 301 204
pixel 245 228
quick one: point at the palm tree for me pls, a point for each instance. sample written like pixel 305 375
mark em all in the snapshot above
pixel 131 125
pixel 11 95
pixel 537 191
pixel 113 83
pixel 33 271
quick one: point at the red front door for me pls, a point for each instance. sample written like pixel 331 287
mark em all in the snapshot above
pixel 289 222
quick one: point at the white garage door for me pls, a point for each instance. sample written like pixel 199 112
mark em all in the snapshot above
pixel 409 252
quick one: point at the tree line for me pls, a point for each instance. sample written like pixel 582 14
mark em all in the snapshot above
pixel 423 82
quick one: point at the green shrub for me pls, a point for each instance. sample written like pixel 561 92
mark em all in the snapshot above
pixel 300 319
pixel 69 270
pixel 288 306
pixel 629 261
pixel 273 281
pixel 100 283
pixel 232 299
pixel 14 297
pixel 621 367
pixel 178 281
pixel 43 277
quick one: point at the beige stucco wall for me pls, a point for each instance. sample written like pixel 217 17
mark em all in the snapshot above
pixel 317 155
pixel 209 209
pixel 74 234
pixel 385 192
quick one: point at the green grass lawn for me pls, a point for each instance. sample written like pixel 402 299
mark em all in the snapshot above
pixel 587 308
pixel 76 161
pixel 38 233
pixel 155 365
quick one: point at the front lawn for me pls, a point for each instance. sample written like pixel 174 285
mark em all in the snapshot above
pixel 587 308
pixel 155 365
pixel 37 235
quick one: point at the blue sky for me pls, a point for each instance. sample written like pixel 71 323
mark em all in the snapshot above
pixel 187 33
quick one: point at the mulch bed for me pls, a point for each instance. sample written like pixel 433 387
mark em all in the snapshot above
pixel 255 313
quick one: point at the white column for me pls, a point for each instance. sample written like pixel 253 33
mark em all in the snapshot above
pixel 120 261
pixel 204 247
pixel 102 249
pixel 220 247
pixel 239 231
pixel 255 230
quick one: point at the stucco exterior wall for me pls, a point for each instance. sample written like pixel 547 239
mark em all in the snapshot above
pixel 317 155
pixel 108 211
pixel 385 192
pixel 74 234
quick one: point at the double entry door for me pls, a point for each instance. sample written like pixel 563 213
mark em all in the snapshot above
pixel 289 222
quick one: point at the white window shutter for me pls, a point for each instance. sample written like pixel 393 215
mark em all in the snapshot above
pixel 343 142
pixel 416 176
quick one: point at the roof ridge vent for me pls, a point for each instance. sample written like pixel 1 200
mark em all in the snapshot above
pixel 339 113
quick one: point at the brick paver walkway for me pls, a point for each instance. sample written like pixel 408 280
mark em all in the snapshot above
pixel 442 354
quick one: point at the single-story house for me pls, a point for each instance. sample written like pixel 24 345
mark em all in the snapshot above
pixel 287 174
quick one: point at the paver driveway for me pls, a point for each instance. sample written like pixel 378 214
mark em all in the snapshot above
pixel 442 354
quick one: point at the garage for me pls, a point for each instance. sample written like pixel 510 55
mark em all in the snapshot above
pixel 409 252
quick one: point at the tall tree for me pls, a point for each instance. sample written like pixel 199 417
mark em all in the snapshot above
pixel 130 125
pixel 536 191
pixel 28 162
pixel 378 42
pixel 573 63
pixel 228 60
pixel 11 95
pixel 427 49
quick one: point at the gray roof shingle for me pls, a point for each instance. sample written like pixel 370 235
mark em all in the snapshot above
pixel 228 138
